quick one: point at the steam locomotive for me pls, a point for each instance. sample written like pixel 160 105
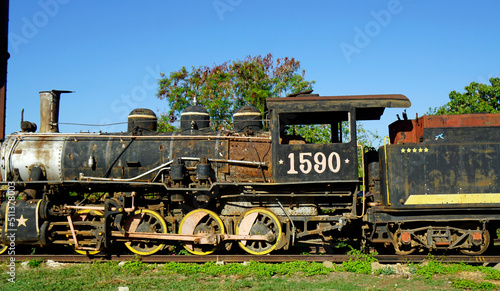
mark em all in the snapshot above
pixel 433 185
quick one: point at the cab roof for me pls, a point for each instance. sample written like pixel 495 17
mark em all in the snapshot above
pixel 368 107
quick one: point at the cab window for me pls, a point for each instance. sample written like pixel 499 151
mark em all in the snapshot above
pixel 315 127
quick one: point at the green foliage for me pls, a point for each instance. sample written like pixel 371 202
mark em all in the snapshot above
pixel 250 269
pixel 490 273
pixel 224 87
pixel 431 268
pixel 359 262
pixel 434 267
pixel 387 270
pixel 35 262
pixel 312 133
pixel 183 252
pixel 478 98
pixel 412 268
pixel 306 268
pixel 135 266
pixel 164 124
pixel 471 285
pixel 367 138
pixel 321 133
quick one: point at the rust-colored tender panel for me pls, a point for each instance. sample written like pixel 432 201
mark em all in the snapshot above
pixel 412 131
pixel 462 120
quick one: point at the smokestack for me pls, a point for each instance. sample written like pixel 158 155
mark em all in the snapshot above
pixel 49 110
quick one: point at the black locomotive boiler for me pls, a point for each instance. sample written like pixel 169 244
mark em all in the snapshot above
pixel 260 185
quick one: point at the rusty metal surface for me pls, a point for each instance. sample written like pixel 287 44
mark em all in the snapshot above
pixel 462 120
pixel 49 110
pixel 45 152
pixel 459 125
pixel 257 151
pixel 368 107
pixel 383 100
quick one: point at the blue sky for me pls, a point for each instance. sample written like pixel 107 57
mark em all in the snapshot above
pixel 111 52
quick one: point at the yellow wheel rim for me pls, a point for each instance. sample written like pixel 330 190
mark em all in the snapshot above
pixel 263 221
pixel 196 220
pixel 3 248
pixel 154 223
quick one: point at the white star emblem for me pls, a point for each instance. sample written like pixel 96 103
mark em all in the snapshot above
pixel 281 162
pixel 21 221
pixel 347 161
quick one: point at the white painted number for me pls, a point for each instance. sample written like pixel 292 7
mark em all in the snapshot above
pixel 320 163
pixel 292 170
pixel 305 164
pixel 320 160
pixel 337 162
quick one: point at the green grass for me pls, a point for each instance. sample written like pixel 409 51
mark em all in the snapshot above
pixel 471 285
pixel 171 276
pixel 356 274
pixel 250 269
pixel 359 262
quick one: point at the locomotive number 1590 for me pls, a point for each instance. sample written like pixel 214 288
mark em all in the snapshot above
pixel 318 162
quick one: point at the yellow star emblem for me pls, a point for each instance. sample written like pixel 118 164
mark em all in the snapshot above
pixel 21 221
pixel 426 150
pixel 414 150
pixel 420 150
pixel 403 151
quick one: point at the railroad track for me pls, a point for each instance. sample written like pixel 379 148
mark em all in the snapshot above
pixel 64 258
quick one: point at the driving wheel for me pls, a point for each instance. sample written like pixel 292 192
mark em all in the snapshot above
pixel 259 221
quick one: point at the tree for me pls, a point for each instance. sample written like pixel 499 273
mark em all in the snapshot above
pixel 225 87
pixel 478 98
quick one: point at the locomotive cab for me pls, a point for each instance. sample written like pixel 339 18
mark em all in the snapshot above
pixel 333 157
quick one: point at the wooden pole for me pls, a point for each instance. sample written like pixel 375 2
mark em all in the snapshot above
pixel 4 56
